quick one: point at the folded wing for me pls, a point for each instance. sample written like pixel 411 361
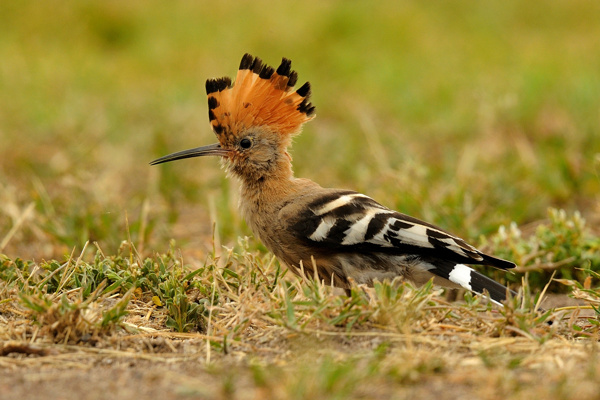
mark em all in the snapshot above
pixel 350 221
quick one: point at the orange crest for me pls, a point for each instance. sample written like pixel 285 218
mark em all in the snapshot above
pixel 261 96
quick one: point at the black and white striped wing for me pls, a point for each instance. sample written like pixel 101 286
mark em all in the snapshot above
pixel 354 222
pixel 345 221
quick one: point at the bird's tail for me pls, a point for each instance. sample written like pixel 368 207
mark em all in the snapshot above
pixel 472 280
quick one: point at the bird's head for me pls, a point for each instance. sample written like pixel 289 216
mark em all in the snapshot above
pixel 254 119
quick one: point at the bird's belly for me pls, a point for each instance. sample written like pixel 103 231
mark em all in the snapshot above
pixel 365 269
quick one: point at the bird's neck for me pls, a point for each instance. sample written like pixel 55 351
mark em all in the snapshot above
pixel 261 199
pixel 268 189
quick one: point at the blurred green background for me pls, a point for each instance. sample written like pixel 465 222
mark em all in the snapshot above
pixel 468 114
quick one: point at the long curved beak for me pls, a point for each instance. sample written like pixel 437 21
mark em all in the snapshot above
pixel 210 150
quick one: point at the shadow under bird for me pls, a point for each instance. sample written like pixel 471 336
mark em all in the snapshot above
pixel 343 234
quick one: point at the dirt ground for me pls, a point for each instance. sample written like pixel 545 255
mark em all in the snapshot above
pixel 115 375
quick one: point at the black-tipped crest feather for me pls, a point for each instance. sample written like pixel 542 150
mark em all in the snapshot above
pixel 217 85
pixel 256 65
pixel 293 79
pixel 285 67
pixel 304 90
pixel 247 61
pixel 266 72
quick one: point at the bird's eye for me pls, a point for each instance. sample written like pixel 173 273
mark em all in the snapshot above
pixel 245 143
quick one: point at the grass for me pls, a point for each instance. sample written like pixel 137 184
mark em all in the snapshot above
pixel 243 307
pixel 481 118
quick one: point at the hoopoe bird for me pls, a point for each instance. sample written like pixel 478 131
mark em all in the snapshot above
pixel 342 234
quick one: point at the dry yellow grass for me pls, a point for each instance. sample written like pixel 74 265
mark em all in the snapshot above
pixel 262 335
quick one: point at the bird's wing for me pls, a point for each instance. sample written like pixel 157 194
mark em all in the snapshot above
pixel 350 221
